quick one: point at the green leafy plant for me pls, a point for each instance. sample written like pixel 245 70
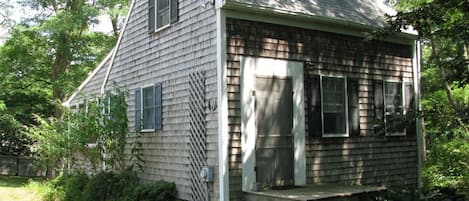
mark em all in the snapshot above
pixel 157 191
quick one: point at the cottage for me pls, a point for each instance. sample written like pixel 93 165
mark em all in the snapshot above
pixel 266 95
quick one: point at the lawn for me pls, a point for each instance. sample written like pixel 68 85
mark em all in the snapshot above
pixel 14 189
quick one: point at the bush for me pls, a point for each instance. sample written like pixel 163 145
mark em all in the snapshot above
pixel 47 190
pixel 158 191
pixel 105 186
pixel 74 186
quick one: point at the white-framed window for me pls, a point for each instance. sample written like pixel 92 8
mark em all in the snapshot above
pixel 163 13
pixel 394 111
pixel 148 108
pixel 334 106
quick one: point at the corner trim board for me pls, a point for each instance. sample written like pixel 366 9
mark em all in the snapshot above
pixel 223 138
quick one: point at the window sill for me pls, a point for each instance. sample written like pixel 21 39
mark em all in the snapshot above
pixel 147 130
pixel 395 134
pixel 161 28
pixel 331 135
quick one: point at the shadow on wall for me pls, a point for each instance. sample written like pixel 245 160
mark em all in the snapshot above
pixel 352 160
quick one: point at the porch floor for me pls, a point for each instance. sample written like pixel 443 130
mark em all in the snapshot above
pixel 313 192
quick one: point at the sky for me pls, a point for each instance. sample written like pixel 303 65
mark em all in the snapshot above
pixel 17 13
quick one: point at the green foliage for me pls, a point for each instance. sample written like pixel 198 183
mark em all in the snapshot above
pixel 109 186
pixel 12 137
pixel 443 27
pixel 48 190
pixel 102 121
pixel 104 186
pixel 449 165
pixel 74 185
pixel 50 145
pixel 157 191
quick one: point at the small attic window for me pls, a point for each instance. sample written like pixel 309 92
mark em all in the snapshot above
pixel 161 13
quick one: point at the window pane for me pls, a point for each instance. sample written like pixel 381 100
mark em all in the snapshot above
pixel 393 107
pixel 393 98
pixel 334 105
pixel 162 13
pixel 148 108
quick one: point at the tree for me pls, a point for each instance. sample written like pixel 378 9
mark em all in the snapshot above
pixel 47 56
pixel 443 27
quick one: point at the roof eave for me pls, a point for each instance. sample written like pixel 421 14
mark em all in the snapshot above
pixel 409 34
pixel 88 79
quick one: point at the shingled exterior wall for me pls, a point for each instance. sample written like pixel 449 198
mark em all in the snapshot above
pixel 367 159
pixel 168 56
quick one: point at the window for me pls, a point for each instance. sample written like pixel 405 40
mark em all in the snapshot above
pixel 161 13
pixel 393 108
pixel 148 108
pixel 393 105
pixel 148 105
pixel 334 106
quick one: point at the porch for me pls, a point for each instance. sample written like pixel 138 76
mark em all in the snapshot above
pixel 316 192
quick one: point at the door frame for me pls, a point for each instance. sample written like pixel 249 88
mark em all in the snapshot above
pixel 250 68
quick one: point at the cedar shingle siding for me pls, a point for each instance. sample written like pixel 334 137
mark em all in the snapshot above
pixel 365 158
pixel 167 57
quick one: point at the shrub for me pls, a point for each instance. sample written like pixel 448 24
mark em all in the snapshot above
pixel 109 186
pixel 105 186
pixel 74 186
pixel 158 191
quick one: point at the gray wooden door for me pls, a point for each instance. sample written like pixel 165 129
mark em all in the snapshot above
pixel 274 123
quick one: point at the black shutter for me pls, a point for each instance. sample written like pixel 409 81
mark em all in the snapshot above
pixel 138 110
pixel 158 106
pixel 378 95
pixel 151 15
pixel 314 106
pixel 409 105
pixel 174 11
pixel 353 107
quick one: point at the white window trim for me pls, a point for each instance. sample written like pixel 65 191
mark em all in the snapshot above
pixel 331 135
pixel 158 29
pixel 146 130
pixel 404 111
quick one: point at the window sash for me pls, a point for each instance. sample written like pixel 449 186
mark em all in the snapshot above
pixel 393 94
pixel 162 13
pixel 148 107
pixel 334 107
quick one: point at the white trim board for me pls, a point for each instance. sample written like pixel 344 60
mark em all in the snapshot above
pixel 223 136
pixel 250 68
pixel 116 48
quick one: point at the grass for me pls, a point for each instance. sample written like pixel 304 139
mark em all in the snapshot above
pixel 14 188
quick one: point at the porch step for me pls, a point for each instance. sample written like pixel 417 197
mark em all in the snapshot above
pixel 319 192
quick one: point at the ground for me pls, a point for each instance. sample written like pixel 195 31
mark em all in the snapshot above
pixel 14 189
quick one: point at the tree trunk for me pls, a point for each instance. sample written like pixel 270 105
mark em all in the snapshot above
pixel 59 69
pixel 447 87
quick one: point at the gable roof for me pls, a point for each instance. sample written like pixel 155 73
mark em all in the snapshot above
pixel 363 12
pixel 92 83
